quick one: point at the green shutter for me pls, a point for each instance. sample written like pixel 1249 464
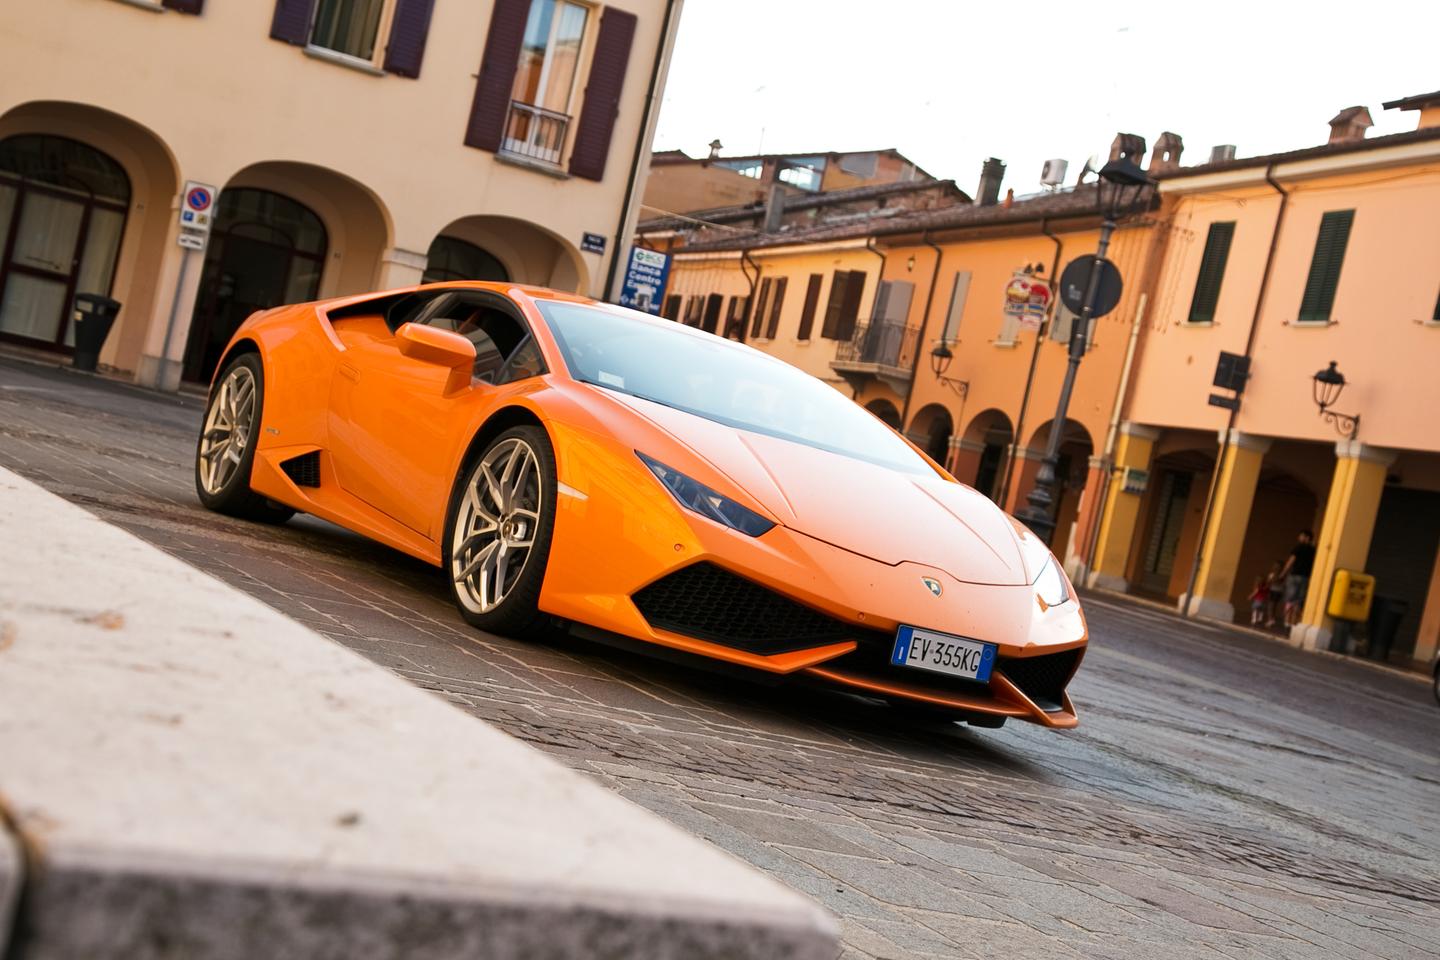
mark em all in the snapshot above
pixel 1212 271
pixel 1325 266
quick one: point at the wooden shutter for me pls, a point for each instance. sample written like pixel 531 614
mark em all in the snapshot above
pixel 408 30
pixel 1325 266
pixel 184 6
pixel 491 105
pixel 850 306
pixel 602 94
pixel 760 305
pixel 1212 271
pixel 713 303
pixel 774 324
pixel 830 328
pixel 291 22
pixel 959 293
pixel 672 307
pixel 693 311
pixel 812 300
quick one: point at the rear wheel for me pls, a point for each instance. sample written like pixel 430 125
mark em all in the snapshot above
pixel 497 538
pixel 225 452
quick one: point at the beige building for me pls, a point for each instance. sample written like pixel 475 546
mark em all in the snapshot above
pixel 355 145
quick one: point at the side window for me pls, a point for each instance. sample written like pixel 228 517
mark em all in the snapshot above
pixel 499 337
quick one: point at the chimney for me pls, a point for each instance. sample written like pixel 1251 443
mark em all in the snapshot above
pixel 1166 155
pixel 1130 146
pixel 1350 125
pixel 992 171
pixel 1221 153
pixel 715 146
pixel 774 208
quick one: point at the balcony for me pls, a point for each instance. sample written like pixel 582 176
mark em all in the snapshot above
pixel 535 135
pixel 881 350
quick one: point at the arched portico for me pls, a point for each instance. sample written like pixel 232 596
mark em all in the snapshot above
pixel 525 251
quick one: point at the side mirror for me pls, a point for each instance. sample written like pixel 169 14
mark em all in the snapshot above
pixel 433 345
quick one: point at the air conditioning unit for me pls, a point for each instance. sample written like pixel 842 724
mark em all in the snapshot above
pixel 1225 151
pixel 1053 173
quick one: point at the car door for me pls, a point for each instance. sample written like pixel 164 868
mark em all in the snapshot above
pixel 397 423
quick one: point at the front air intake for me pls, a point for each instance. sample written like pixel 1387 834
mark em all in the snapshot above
pixel 1043 678
pixel 304 470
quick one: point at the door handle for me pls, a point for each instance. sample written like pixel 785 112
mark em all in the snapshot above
pixel 350 371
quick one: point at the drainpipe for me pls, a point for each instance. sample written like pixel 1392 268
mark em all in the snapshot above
pixel 754 282
pixel 1235 414
pixel 667 26
pixel 924 322
pixel 1030 376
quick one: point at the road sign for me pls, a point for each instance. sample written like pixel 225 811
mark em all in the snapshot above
pixel 645 279
pixel 1076 278
pixel 1231 372
pixel 191 239
pixel 592 243
pixel 197 206
pixel 1229 403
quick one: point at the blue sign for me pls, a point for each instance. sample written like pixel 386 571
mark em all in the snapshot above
pixel 592 243
pixel 645 280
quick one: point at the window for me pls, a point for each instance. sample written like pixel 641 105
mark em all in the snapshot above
pixel 754 169
pixel 694 309
pixel 812 300
pixel 504 350
pixel 348 26
pixel 711 320
pixel 757 324
pixel 672 307
pixel 452 259
pixel 550 54
pixel 959 293
pixel 846 289
pixel 1324 276
pixel 735 318
pixel 779 298
pixel 1212 271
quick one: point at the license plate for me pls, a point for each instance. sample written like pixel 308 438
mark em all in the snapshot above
pixel 943 653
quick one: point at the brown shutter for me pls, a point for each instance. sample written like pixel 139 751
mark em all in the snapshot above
pixel 812 300
pixel 497 75
pixel 760 304
pixel 291 22
pixel 184 6
pixel 850 308
pixel 711 321
pixel 602 94
pixel 672 307
pixel 408 30
pixel 831 327
pixel 774 325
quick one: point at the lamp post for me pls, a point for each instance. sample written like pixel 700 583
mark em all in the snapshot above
pixel 940 359
pixel 1328 384
pixel 1121 187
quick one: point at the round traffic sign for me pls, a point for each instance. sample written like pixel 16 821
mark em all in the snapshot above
pixel 198 199
pixel 1075 279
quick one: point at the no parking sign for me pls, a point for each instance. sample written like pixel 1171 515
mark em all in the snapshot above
pixel 197 209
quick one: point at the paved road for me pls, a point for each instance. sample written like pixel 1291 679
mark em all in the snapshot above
pixel 1224 796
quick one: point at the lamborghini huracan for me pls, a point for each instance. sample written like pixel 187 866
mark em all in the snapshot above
pixel 578 466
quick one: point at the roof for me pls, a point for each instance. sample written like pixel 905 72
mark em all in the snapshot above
pixel 1414 103
pixel 1080 202
pixel 1308 153
pixel 830 198
pixel 667 157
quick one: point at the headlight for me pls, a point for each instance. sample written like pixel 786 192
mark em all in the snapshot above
pixel 695 496
pixel 1050 585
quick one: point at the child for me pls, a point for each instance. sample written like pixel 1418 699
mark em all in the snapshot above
pixel 1276 587
pixel 1259 601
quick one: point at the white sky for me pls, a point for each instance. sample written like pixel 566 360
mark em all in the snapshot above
pixel 951 82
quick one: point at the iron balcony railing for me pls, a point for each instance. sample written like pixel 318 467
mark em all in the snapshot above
pixel 883 343
pixel 535 133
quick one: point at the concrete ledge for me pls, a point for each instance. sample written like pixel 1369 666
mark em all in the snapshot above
pixel 194 775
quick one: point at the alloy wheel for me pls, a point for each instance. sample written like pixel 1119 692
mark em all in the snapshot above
pixel 229 425
pixel 496 525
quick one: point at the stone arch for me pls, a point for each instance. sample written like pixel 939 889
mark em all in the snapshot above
pixel 930 430
pixel 984 451
pixel 528 252
pixel 154 183
pixel 886 411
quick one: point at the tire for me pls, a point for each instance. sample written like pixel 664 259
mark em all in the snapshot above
pixel 521 465
pixel 232 421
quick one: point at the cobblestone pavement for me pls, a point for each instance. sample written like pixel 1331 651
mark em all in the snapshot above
pixel 1224 796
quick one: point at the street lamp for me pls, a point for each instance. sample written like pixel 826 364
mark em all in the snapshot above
pixel 1328 384
pixel 940 359
pixel 1122 187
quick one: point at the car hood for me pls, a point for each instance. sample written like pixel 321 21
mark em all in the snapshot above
pixel 880 513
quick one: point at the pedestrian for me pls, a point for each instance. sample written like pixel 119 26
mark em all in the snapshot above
pixel 1275 587
pixel 1296 573
pixel 1259 598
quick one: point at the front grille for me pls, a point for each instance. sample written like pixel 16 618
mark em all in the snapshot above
pixel 1042 678
pixel 710 603
pixel 303 470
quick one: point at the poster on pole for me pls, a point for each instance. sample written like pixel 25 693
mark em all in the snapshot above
pixel 645 279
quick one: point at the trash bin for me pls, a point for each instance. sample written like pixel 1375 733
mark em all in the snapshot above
pixel 93 317
pixel 1386 613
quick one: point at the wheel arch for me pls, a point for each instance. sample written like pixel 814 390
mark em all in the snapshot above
pixel 497 423
pixel 240 347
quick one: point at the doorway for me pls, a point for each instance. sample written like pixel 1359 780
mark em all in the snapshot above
pixel 265 250
pixel 62 217
pixel 1160 551
pixel 452 259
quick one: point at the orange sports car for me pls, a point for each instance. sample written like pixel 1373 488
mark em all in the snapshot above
pixel 570 463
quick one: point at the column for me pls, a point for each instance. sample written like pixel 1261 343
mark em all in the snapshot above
pixel 1027 466
pixel 400 268
pixel 965 459
pixel 1344 540
pixel 1097 485
pixel 1224 536
pixel 1119 521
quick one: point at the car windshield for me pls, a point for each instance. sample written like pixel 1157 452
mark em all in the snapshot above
pixel 710 377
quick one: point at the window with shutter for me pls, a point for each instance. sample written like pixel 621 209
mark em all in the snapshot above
pixel 409 29
pixel 693 311
pixel 812 301
pixel 757 323
pixel 491 105
pixel 713 303
pixel 184 6
pixel 672 307
pixel 1324 276
pixel 351 27
pixel 898 294
pixel 291 21
pixel 775 304
pixel 959 293
pixel 830 329
pixel 850 305
pixel 1212 271
pixel 602 94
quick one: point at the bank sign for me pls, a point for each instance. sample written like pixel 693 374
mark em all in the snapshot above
pixel 645 279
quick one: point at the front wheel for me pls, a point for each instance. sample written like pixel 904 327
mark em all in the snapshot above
pixel 497 535
pixel 225 452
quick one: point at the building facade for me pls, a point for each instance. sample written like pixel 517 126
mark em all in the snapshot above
pixel 355 144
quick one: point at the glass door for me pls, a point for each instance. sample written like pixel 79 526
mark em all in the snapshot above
pixel 40 264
